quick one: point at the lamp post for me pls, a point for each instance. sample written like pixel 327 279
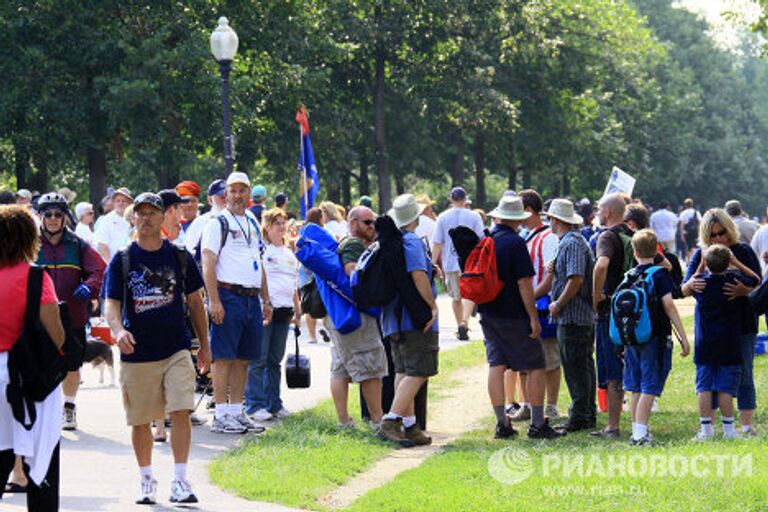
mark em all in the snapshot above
pixel 224 47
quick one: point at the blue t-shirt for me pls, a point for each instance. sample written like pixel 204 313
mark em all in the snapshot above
pixel 155 315
pixel 513 262
pixel 256 210
pixel 662 285
pixel 416 258
pixel 718 321
pixel 744 253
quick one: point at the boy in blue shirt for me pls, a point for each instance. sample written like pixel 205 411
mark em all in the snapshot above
pixel 647 366
pixel 717 321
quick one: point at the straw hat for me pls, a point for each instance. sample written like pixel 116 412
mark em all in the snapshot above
pixel 563 210
pixel 510 208
pixel 425 199
pixel 405 210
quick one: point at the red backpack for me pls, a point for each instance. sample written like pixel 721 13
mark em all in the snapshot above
pixel 479 282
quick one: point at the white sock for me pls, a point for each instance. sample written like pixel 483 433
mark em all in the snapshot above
pixel 639 431
pixel 746 428
pixel 221 410
pixel 525 404
pixel 236 409
pixel 706 426
pixel 145 471
pixel 69 400
pixel 390 416
pixel 728 425
pixel 409 421
pixel 180 471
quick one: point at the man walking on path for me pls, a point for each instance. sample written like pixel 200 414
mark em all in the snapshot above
pixel 511 324
pixel 146 286
pixel 747 227
pixel 664 223
pixel 414 351
pixel 358 356
pixel 77 271
pixel 234 281
pixel 571 307
pixel 446 258
pixel 112 230
pixel 608 273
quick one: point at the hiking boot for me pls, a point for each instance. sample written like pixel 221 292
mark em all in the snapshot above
pixel 181 491
pixel 512 408
pixel 646 440
pixel 417 436
pixel 522 414
pixel 261 415
pixel 227 424
pixel 463 333
pixel 147 495
pixel 250 425
pixel 392 431
pixel 606 433
pixel 551 412
pixel 69 417
pixel 544 432
pixel 504 431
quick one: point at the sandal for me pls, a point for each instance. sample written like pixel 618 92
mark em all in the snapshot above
pixel 14 488
pixel 160 439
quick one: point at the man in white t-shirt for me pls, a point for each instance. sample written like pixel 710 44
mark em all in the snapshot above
pixel 690 219
pixel 216 192
pixel 760 246
pixel 665 223
pixel 445 257
pixel 426 228
pixel 234 280
pixel 112 232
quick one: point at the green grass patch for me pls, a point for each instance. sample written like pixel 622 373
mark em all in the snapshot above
pixel 307 456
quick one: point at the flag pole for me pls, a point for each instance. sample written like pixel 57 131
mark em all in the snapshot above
pixel 303 169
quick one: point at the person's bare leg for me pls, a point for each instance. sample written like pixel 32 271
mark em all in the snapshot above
pixel 747 415
pixel 18 476
pixel 221 370
pixel 524 398
pixel 238 375
pixel 552 378
pixel 71 384
pixel 311 327
pixel 705 404
pixel 510 385
pixel 371 389
pixel 458 311
pixel 340 394
pixel 141 438
pixel 181 436
pixel 535 387
pixel 643 410
pixel 406 388
pixel 633 401
pixel 496 385
pixel 468 306
pixel 615 398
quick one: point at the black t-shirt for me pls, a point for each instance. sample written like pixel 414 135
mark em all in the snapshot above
pixel 513 262
pixel 609 244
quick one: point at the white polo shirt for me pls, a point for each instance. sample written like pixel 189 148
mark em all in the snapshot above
pixel 235 264
pixel 113 232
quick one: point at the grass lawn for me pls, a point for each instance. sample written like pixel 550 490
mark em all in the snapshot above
pixel 307 456
pixel 458 478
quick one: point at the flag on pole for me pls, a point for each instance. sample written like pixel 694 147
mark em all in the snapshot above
pixel 310 183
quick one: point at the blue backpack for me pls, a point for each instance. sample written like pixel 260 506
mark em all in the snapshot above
pixel 635 309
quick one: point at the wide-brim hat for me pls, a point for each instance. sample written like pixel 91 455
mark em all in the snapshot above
pixel 123 191
pixel 563 210
pixel 405 210
pixel 425 199
pixel 510 208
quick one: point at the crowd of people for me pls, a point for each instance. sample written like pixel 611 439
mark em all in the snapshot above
pixel 191 291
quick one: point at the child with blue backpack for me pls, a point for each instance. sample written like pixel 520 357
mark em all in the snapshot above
pixel 647 364
pixel 717 322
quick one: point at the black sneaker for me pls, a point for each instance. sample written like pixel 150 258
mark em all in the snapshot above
pixel 463 333
pixel 504 431
pixel 544 432
pixel 572 426
pixel 324 335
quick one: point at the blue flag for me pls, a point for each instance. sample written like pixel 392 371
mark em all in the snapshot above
pixel 307 165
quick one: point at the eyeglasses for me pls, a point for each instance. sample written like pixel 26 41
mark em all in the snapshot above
pixel 368 222
pixel 54 215
pixel 718 233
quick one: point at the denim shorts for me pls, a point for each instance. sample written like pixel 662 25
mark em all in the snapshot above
pixel 239 337
pixel 609 365
pixel 723 379
pixel 648 366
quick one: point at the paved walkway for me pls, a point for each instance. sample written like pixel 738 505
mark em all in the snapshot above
pixel 98 467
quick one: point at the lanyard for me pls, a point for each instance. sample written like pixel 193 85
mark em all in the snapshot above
pixel 248 235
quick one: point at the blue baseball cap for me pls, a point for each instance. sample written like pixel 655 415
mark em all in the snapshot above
pixel 258 193
pixel 458 194
pixel 217 188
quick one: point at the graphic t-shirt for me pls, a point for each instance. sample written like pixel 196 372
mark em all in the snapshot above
pixel 155 310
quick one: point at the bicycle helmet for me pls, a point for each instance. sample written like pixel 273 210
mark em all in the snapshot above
pixel 52 200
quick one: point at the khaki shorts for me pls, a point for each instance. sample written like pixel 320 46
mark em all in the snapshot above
pixel 415 353
pixel 452 285
pixel 152 389
pixel 551 353
pixel 359 355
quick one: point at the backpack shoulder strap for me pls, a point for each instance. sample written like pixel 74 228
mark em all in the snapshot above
pixel 224 224
pixel 34 292
pixel 181 256
pixel 125 266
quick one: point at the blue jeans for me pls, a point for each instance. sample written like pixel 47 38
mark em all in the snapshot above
pixel 262 390
pixel 746 392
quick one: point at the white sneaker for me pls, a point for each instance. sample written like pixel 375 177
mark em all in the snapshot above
pixel 261 415
pixel 701 436
pixel 227 424
pixel 148 492
pixel 731 435
pixel 69 417
pixel 248 424
pixel 181 492
pixel 283 413
pixel 551 412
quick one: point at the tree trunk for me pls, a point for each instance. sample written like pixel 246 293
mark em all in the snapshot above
pixel 96 159
pixel 38 180
pixel 385 185
pixel 526 177
pixel 332 190
pixel 364 184
pixel 346 192
pixel 566 185
pixel 399 185
pixel 480 196
pixel 21 165
pixel 512 170
pixel 457 162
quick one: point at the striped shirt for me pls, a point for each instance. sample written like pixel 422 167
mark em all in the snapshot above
pixel 542 246
pixel 574 258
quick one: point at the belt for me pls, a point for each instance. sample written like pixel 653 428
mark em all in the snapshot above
pixel 237 289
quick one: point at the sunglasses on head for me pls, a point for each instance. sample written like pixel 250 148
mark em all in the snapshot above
pixel 54 215
pixel 718 233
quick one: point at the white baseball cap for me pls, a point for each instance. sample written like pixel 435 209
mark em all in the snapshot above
pixel 238 177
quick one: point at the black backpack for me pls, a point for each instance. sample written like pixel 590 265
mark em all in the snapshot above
pixel 691 228
pixel 311 302
pixel 464 240
pixel 35 365
pixel 371 282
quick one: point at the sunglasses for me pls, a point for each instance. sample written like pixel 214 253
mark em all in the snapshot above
pixel 54 215
pixel 718 233
pixel 368 222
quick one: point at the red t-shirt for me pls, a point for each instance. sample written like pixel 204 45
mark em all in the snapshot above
pixel 13 293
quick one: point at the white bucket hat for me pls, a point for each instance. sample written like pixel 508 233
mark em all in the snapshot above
pixel 510 208
pixel 563 209
pixel 405 210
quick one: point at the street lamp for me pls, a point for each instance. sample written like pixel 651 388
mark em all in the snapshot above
pixel 224 47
